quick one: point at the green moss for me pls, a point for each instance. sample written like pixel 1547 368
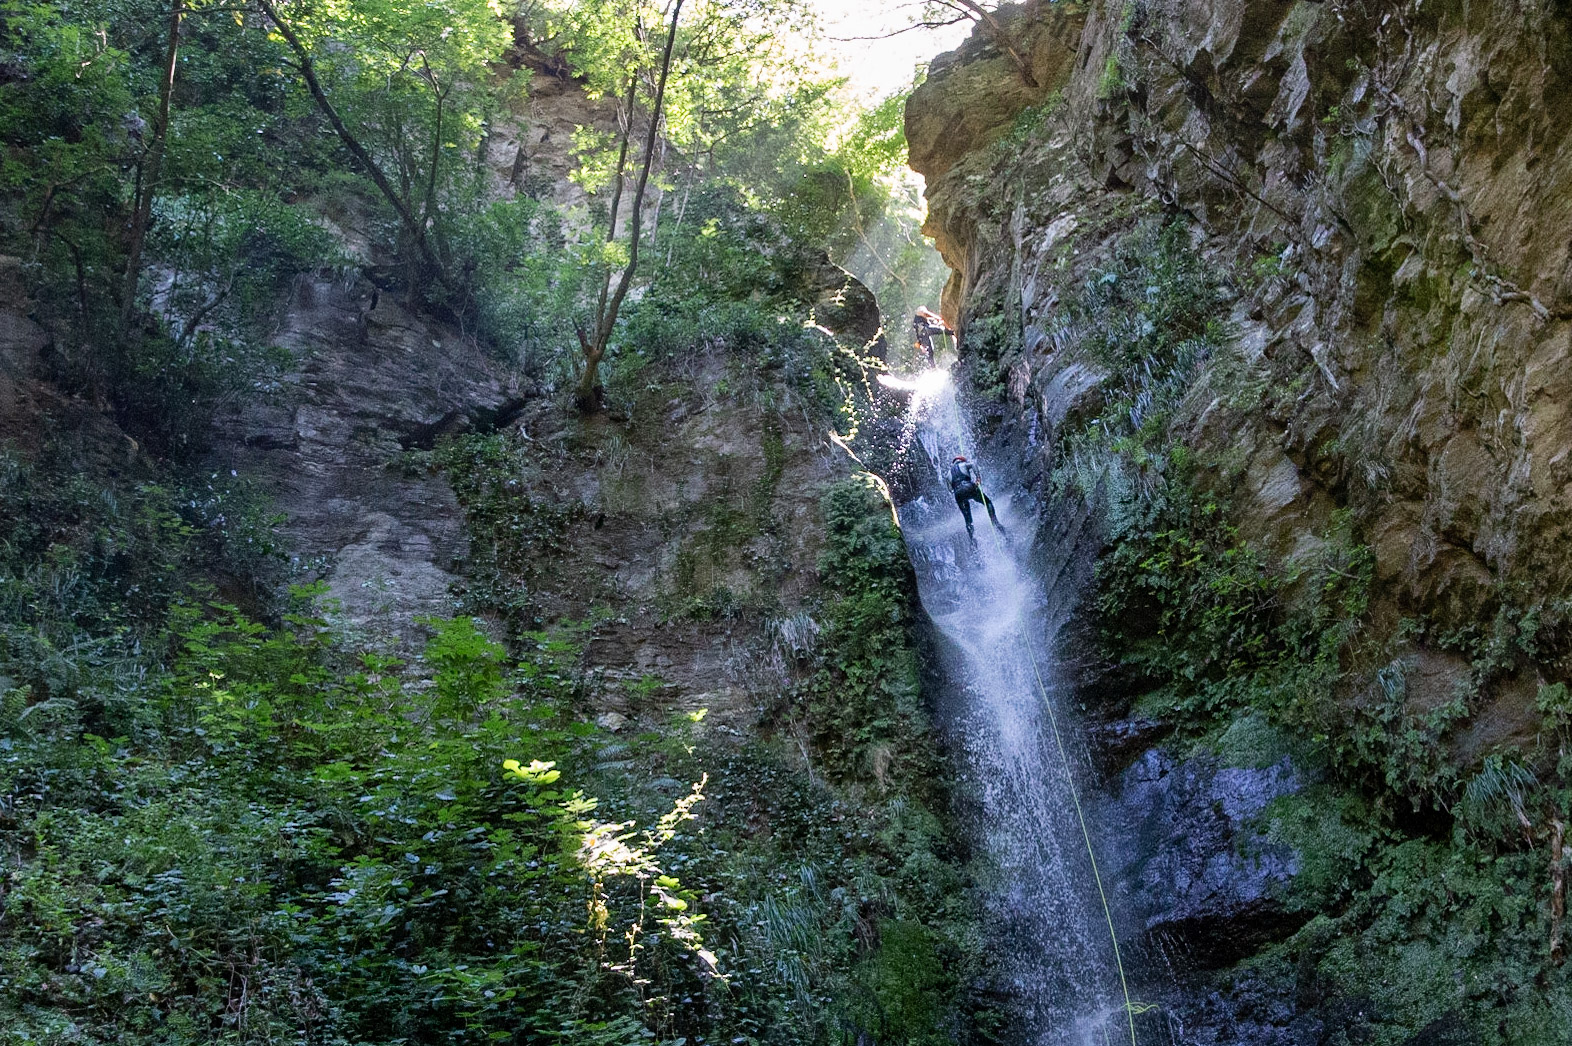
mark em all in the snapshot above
pixel 1333 835
pixel 905 984
pixel 865 703
pixel 1251 741
pixel 1112 80
pixel 515 536
pixel 773 451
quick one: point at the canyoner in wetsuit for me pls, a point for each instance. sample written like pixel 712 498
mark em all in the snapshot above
pixel 965 484
pixel 926 326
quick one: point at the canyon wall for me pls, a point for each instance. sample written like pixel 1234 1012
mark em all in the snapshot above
pixel 1282 288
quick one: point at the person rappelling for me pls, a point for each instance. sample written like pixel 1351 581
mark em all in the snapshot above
pixel 926 326
pixel 966 485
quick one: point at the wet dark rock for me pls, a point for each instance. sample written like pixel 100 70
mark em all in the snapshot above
pixel 1118 743
pixel 1247 1011
pixel 1202 874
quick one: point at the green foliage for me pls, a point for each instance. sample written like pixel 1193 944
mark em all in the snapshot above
pixel 1154 307
pixel 1201 597
pixel 289 835
pixel 1497 799
pixel 60 128
pixel 734 69
pixel 905 984
pixel 249 161
pixel 770 172
pixel 415 86
pixel 513 536
pixel 865 704
pixel 526 282
pixel 839 912
pixel 1112 81
pixel 1554 702
pixel 282 835
pixel 225 823
pixel 1436 930
pixel 467 666
pixel 1398 743
pixel 90 570
pixel 1334 834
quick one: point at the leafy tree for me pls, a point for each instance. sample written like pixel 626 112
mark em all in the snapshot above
pixel 609 301
pixel 138 192
pixel 708 81
pixel 64 131
pixel 406 88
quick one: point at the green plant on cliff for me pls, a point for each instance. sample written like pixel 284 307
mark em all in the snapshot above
pixel 865 703
pixel 515 535
pixel 1147 315
pixel 872 935
pixel 1432 908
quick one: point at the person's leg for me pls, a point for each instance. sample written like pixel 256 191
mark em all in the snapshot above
pixel 988 504
pixel 964 503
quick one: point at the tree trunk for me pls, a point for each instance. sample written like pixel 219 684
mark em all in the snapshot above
pixel 431 270
pixel 589 395
pixel 616 205
pixel 147 183
pixel 1001 38
pixel 429 208
pixel 606 318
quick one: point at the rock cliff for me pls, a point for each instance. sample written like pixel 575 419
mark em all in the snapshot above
pixel 1389 184
pixel 1282 288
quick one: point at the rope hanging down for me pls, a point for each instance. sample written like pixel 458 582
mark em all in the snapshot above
pixel 1075 799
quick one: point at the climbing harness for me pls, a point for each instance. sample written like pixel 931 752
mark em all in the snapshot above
pixel 1075 799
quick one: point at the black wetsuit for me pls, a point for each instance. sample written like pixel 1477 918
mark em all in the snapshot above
pixel 924 331
pixel 963 484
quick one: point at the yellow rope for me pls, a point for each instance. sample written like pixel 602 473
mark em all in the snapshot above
pixel 1053 720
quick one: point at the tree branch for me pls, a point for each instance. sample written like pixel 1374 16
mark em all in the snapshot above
pixel 606 319
pixel 414 228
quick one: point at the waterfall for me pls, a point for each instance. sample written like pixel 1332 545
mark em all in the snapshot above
pixel 1050 926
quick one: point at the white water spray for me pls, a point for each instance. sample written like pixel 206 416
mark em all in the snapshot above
pixel 1049 914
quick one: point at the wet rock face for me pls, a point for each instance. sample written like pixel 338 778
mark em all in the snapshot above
pixel 326 445
pixel 1203 876
pixel 1388 186
pixel 1248 1011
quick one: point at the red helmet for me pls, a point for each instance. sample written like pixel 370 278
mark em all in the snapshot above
pixel 959 457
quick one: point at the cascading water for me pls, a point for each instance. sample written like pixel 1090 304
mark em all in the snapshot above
pixel 1052 930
